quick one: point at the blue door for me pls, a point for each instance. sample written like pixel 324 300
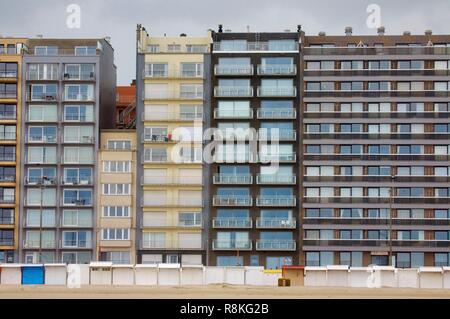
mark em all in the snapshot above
pixel 32 275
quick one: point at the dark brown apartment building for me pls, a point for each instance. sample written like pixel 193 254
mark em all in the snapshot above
pixel 359 129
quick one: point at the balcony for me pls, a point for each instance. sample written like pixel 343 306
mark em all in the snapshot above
pixel 81 97
pixel 233 179
pixel 425 243
pixel 376 178
pixel 8 115
pixel 78 139
pixel 233 114
pixel 233 91
pixel 4 75
pixel 225 222
pixel 231 245
pixel 234 158
pixel 76 244
pixel 162 244
pixel 76 181
pixel 74 201
pixel 371 136
pixel 10 95
pixel 277 69
pixel 389 114
pixel 377 200
pixel 377 51
pixel 276 200
pixel 39 180
pixel 42 97
pixel 230 200
pixel 171 180
pixel 5 220
pixel 276 244
pixel 374 221
pixel 276 179
pixel 264 91
pixel 257 46
pixel 7 136
pixel 277 134
pixel 7 178
pixel 179 117
pixel 6 242
pixel 276 113
pixel 35 244
pixel 280 158
pixel 80 76
pixel 172 74
pixel 376 93
pixel 7 157
pixel 164 223
pixel 233 70
pixel 276 223
pixel 375 157
pixel 40 76
pixel 50 139
pixel 157 138
pixel 172 95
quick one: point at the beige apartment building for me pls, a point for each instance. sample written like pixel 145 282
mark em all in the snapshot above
pixel 116 218
pixel 170 108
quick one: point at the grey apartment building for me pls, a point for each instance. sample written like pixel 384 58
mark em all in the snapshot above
pixel 68 96
pixel 363 127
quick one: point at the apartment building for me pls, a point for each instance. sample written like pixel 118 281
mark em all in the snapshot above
pixel 116 215
pixel 251 204
pixel 170 107
pixel 10 122
pixel 126 106
pixel 68 95
pixel 375 133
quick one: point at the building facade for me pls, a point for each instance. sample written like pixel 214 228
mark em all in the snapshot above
pixel 251 204
pixel 126 106
pixel 116 213
pixel 68 95
pixel 170 107
pixel 10 123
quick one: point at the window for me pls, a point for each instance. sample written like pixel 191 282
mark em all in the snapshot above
pixel 230 261
pixel 8 69
pixel 85 50
pixel 8 91
pixel 42 134
pixel 78 176
pixel 189 219
pixel 115 234
pixel 77 218
pixel 79 71
pixel 323 258
pixel 116 211
pixel 78 155
pixel 37 197
pixel 116 166
pixel 79 92
pixel 46 50
pixel 119 145
pixel 44 155
pixel 78 113
pixel 116 257
pixel 76 239
pixel 116 189
pixel 77 197
pixel 191 69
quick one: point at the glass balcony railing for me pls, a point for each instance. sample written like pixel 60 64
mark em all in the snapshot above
pixel 276 223
pixel 233 91
pixel 233 70
pixel 41 138
pixel 276 200
pixel 85 180
pixel 232 245
pixel 81 76
pixel 8 74
pixel 78 97
pixel 42 76
pixel 276 113
pixel 257 46
pixel 264 91
pixel 84 244
pixel 277 134
pixel 275 179
pixel 275 244
pixel 283 157
pixel 8 94
pixel 233 114
pixel 277 69
pixel 42 97
pixel 225 222
pixel 232 200
pixel 233 179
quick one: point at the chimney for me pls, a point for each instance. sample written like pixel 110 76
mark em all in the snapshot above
pixel 322 34
pixel 220 28
pixel 299 27
pixel 381 30
pixel 428 32
pixel 348 31
pixel 182 34
pixel 406 33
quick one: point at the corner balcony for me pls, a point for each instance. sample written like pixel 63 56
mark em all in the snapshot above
pixel 224 222
pixel 277 134
pixel 276 223
pixel 233 91
pixel 276 201
pixel 241 179
pixel 281 158
pixel 272 179
pixel 230 200
pixel 276 113
pixel 233 114
pixel 277 69
pixel 276 244
pixel 233 70
pixel 231 245
pixel 264 91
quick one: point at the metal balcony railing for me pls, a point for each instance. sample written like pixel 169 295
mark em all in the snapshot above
pixel 7 199
pixel 233 70
pixel 41 138
pixel 38 180
pixel 78 97
pixel 80 76
pixel 7 157
pixel 75 201
pixel 8 94
pixel 276 200
pixel 7 220
pixel 8 115
pixel 287 158
pixel 6 242
pixel 41 76
pixel 387 50
pixel 42 97
pixel 8 74
pixel 6 136
pixel 276 223
pixel 233 179
pixel 225 222
pixel 78 139
pixel 276 113
pixel 173 95
pixel 80 244
pixel 181 116
pixel 33 244
pixel 77 180
pixel 275 244
pixel 277 134
pixel 257 46
pixel 182 74
pixel 275 179
pixel 232 245
pixel 277 69
pixel 230 200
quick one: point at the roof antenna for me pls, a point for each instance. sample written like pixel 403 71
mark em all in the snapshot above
pixel 248 28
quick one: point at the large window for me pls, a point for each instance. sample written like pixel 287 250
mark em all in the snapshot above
pixel 42 113
pixel 78 113
pixel 77 197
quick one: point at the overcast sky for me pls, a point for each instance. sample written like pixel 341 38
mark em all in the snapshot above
pixel 118 19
